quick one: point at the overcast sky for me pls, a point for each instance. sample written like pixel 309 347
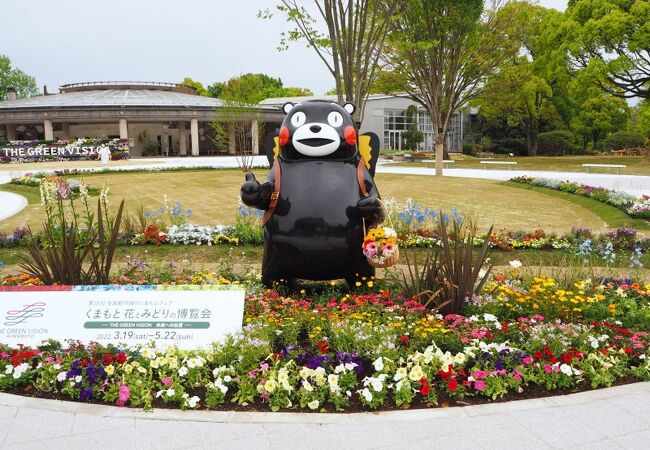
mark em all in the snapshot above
pixel 66 41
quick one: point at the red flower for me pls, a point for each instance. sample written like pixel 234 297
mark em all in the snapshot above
pixel 538 355
pixel 425 390
pixel 452 385
pixel 628 350
pixel 121 357
pixel 322 346
pixel 108 359
pixel 84 362
pixel 404 338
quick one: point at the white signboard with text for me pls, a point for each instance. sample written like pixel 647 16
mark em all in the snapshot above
pixel 185 316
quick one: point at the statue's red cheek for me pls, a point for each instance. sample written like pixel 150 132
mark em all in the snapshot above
pixel 350 135
pixel 284 135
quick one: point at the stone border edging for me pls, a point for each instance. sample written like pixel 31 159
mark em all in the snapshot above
pixel 18 401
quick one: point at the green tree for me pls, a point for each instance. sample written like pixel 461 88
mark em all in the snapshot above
pixel 216 88
pixel 610 39
pixel 200 89
pixel 642 118
pixel 445 49
pixel 15 78
pixel 412 136
pixel 254 87
pixel 520 96
pixel 350 47
pixel 599 115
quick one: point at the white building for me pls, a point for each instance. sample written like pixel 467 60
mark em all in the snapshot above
pixel 385 115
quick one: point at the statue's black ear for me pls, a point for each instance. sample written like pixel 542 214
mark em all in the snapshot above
pixel 287 107
pixel 350 108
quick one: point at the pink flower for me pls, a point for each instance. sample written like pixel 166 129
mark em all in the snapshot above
pixel 264 395
pixel 548 368
pixel 526 360
pixel 388 250
pixel 369 249
pixel 166 381
pixel 479 385
pixel 49 359
pixel 123 395
pixel 264 366
pixel 479 374
pixel 517 375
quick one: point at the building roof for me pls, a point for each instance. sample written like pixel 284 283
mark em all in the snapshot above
pixel 114 98
pixel 275 101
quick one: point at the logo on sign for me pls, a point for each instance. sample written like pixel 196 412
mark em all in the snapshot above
pixel 16 316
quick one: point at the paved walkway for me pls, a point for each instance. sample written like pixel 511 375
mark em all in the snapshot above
pixel 608 418
pixel 10 203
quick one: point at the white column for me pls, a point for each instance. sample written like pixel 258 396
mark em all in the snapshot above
pixel 49 131
pixel 231 139
pixel 194 131
pixel 182 139
pixel 124 129
pixel 11 132
pixel 255 137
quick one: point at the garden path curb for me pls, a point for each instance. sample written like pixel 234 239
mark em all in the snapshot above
pixel 545 403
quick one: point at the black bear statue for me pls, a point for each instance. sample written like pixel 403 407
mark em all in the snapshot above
pixel 317 197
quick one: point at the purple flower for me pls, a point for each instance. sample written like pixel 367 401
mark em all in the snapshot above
pixel 86 393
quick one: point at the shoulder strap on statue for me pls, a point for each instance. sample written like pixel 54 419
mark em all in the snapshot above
pixel 277 182
pixel 360 177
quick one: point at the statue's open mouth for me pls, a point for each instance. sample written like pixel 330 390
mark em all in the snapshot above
pixel 315 142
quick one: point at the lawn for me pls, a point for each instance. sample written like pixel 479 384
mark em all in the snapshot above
pixel 636 165
pixel 71 165
pixel 213 196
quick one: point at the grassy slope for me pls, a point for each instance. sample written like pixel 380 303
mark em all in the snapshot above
pixel 213 197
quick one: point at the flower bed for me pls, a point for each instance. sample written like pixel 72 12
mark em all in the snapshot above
pixel 633 206
pixel 336 351
pixel 61 150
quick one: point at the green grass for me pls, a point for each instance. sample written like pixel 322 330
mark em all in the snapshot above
pixel 636 165
pixel 613 217
pixel 213 196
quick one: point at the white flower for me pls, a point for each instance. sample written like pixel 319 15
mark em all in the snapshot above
pixel 350 366
pixel 401 373
pixel 566 369
pixel 307 386
pixel 270 385
pixel 62 376
pixel 9 369
pixel 193 401
pixel 416 373
pixel 378 364
pixel 228 378
pixel 515 264
pixel 459 358
pixel 149 353
pixel 77 379
pixel 313 404
pixel 366 394
pixel 182 371
pixel 170 392
pixel 376 384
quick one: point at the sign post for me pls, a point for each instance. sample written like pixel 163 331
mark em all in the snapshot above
pixel 188 317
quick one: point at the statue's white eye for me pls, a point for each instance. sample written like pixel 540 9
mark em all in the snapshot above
pixel 335 119
pixel 298 119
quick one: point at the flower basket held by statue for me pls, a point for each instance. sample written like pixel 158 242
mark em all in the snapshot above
pixel 380 247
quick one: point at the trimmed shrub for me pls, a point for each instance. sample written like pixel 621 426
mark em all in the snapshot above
pixel 624 139
pixel 508 145
pixel 468 149
pixel 558 142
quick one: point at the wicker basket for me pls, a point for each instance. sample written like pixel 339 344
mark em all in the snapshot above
pixel 387 262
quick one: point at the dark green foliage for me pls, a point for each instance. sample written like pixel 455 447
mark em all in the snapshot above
pixel 624 139
pixel 558 142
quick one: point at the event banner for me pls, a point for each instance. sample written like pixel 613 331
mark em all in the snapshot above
pixel 185 316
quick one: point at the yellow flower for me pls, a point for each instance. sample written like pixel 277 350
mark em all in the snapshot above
pixel 110 369
pixel 128 368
